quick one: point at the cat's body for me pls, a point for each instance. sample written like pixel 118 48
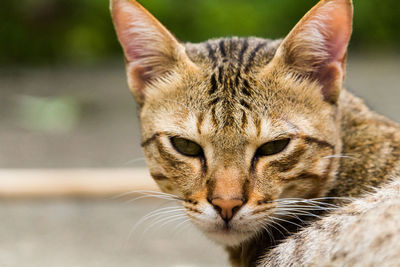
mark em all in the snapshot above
pixel 244 131
pixel 363 233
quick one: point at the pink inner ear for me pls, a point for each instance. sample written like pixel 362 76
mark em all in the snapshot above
pixel 321 36
pixel 124 36
pixel 140 34
pixel 150 49
pixel 336 21
pixel 128 26
pixel 339 32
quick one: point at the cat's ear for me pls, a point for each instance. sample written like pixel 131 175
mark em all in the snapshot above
pixel 317 46
pixel 151 51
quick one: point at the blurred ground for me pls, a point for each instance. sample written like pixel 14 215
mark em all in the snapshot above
pixel 99 128
pixel 44 233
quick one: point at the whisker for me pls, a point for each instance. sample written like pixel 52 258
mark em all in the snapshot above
pixel 334 198
pixel 148 192
pixel 305 200
pixel 178 216
pixel 318 203
pixel 180 224
pixel 270 235
pixel 300 212
pixel 306 204
pixel 183 226
pixel 308 201
pixel 155 213
pixel 305 207
pixel 340 156
pixel 281 226
pixel 154 192
pixel 166 220
pixel 293 215
pixel 148 196
pixel 283 220
pixel 134 160
pixel 318 198
pixel 270 223
pixel 314 202
pixel 164 212
pixel 150 215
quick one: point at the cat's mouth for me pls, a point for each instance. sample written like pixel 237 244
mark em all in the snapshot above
pixel 229 235
pixel 233 231
pixel 229 230
pixel 226 228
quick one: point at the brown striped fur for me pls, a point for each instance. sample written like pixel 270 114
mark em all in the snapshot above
pixel 232 95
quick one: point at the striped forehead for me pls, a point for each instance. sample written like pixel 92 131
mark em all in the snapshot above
pixel 230 83
pixel 232 135
pixel 251 127
pixel 226 102
pixel 230 63
pixel 241 53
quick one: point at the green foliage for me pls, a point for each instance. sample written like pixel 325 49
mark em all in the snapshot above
pixel 51 31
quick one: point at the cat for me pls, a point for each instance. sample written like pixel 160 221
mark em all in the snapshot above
pixel 253 136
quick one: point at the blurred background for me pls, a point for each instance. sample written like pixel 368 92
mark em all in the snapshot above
pixel 64 104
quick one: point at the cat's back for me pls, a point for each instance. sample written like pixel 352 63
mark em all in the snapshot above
pixel 363 233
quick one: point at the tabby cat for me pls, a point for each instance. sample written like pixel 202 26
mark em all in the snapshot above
pixel 255 136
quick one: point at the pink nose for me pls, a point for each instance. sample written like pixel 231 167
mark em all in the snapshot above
pixel 227 207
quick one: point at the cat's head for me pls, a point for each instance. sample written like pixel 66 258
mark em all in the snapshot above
pixel 231 125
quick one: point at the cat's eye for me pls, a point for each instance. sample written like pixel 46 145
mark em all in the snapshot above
pixel 186 147
pixel 273 147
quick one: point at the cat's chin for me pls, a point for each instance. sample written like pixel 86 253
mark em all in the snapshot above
pixel 229 238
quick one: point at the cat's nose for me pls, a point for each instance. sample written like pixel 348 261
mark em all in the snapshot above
pixel 227 207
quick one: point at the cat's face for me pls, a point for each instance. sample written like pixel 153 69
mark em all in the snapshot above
pixel 232 125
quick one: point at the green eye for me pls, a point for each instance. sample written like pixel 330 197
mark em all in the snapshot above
pixel 186 147
pixel 272 147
